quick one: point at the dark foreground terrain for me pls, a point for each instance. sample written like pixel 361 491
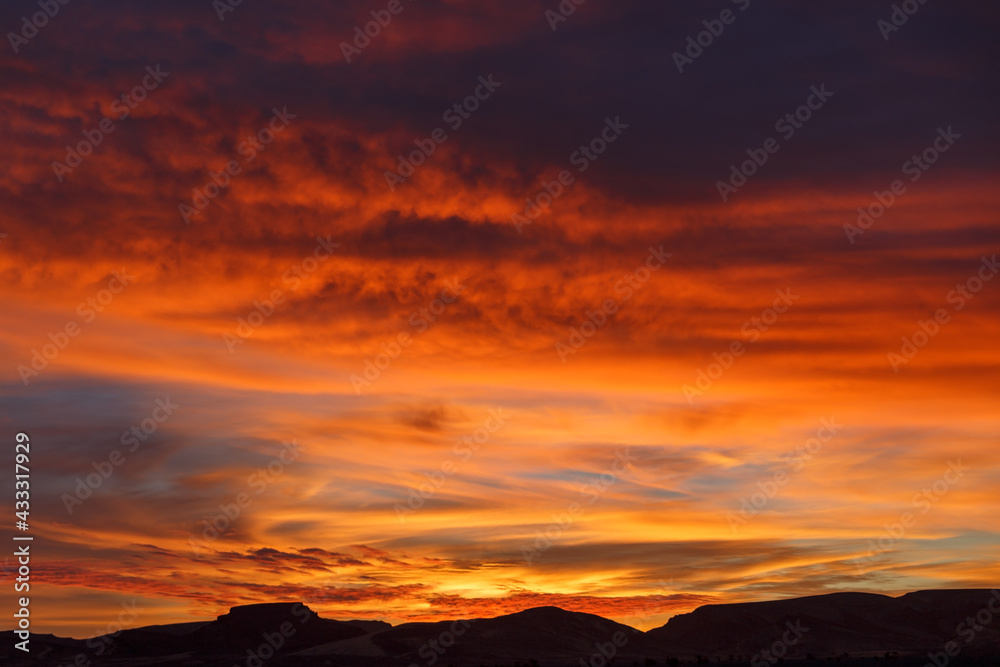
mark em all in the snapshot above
pixel 936 628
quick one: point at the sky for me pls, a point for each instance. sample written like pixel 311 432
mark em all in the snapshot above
pixel 621 307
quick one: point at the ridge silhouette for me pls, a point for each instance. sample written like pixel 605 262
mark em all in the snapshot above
pixel 938 627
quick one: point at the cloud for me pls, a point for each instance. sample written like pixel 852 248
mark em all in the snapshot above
pixel 248 261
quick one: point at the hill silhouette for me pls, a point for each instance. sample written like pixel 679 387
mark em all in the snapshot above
pixel 838 623
pixel 943 628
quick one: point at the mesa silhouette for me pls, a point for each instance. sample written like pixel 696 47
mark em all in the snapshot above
pixel 937 627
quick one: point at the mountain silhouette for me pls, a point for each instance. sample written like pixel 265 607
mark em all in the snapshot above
pixel 942 628
pixel 837 623
pixel 545 634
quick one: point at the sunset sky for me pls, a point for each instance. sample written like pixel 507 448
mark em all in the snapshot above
pixel 438 372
